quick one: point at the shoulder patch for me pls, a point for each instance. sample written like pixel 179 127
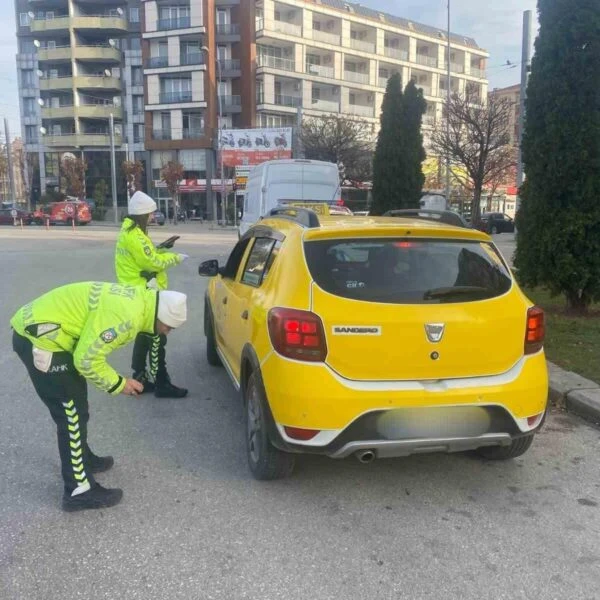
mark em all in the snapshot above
pixel 147 251
pixel 108 335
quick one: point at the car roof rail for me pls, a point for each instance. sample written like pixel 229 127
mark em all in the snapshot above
pixel 303 216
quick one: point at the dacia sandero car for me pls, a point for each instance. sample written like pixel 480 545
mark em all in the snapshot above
pixel 375 337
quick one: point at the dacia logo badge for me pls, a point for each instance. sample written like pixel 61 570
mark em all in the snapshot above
pixel 435 332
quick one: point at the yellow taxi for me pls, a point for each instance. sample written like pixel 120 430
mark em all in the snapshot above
pixel 375 337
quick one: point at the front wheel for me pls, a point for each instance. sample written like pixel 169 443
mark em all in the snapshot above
pixel 265 461
pixel 517 448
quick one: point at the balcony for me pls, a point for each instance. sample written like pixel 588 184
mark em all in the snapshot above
pixel 53 25
pixel 327 38
pixel 97 82
pixel 361 110
pixel 193 134
pixel 100 111
pixel 157 62
pixel 58 54
pixel 383 81
pixel 69 140
pixel 175 97
pixel 427 90
pixel 106 23
pixel 162 135
pixel 477 72
pixel 397 53
pixel 170 24
pixel 231 102
pixel 362 46
pixel 320 70
pixel 188 59
pixel 287 28
pixel 356 77
pixel 56 83
pixel 227 29
pixel 326 105
pixel 59 112
pixel 276 62
pixel 290 101
pixel 457 67
pixel 230 65
pixel 97 54
pixel 428 61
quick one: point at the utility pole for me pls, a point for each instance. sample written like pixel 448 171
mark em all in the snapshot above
pixel 113 169
pixel 11 174
pixel 448 112
pixel 299 146
pixel 525 65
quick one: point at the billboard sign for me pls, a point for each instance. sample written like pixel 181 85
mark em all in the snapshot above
pixel 254 146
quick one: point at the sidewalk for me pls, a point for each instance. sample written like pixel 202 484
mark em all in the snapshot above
pixel 574 393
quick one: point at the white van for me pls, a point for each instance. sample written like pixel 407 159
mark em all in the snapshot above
pixel 292 180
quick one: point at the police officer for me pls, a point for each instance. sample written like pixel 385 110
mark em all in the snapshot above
pixel 138 262
pixel 64 338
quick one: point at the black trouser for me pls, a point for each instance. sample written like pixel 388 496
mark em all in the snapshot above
pixel 64 391
pixel 155 345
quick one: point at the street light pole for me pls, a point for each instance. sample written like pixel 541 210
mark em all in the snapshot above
pixel 525 61
pixel 448 111
pixel 220 129
pixel 113 169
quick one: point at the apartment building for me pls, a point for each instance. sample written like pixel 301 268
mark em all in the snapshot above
pixel 330 56
pixel 76 59
pixel 513 95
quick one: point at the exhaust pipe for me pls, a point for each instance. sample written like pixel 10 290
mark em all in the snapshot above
pixel 365 456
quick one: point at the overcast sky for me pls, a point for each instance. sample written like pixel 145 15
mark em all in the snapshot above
pixel 497 28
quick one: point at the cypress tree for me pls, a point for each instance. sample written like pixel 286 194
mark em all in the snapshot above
pixel 558 224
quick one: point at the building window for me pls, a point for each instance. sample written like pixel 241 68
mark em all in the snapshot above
pixel 28 107
pixel 31 134
pixel 134 15
pixel 135 43
pixel 27 78
pixel 138 105
pixel 24 19
pixel 137 76
pixel 138 133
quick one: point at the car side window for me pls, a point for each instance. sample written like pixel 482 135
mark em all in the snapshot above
pixel 235 258
pixel 257 261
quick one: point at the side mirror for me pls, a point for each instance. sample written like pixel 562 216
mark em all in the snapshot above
pixel 209 268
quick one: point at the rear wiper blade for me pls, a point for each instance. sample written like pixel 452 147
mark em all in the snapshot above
pixel 445 292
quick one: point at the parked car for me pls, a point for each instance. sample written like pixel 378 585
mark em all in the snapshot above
pixel 497 223
pixel 7 218
pixel 158 217
pixel 63 213
pixel 393 337
pixel 440 216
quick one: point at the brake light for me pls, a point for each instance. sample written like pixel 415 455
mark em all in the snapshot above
pixel 404 244
pixel 298 433
pixel 297 334
pixel 535 331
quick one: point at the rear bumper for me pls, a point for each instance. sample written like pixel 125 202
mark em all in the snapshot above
pixel 401 418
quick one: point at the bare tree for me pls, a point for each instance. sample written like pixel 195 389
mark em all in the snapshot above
pixel 478 142
pixel 133 170
pixel 172 174
pixel 341 140
pixel 73 170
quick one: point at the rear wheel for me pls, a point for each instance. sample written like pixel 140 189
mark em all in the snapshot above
pixel 265 461
pixel 212 356
pixel 517 448
pixel 494 230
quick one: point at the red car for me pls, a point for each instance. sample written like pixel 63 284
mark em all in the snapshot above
pixel 64 213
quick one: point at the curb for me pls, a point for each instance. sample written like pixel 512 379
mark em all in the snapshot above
pixel 578 395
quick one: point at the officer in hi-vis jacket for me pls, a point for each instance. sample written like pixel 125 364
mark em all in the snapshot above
pixel 64 338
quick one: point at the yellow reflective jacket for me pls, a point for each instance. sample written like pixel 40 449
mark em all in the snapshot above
pixel 90 320
pixel 135 253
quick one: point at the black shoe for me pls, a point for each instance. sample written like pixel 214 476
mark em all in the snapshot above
pixel 99 464
pixel 97 497
pixel 143 378
pixel 166 389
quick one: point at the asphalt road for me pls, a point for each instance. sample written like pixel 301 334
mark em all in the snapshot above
pixel 194 525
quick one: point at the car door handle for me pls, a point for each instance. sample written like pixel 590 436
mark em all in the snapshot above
pixel 224 300
pixel 245 315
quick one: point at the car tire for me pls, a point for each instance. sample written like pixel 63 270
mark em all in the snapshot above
pixel 212 356
pixel 266 462
pixel 517 448
pixel 494 230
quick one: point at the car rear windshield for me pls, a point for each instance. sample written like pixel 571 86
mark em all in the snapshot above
pixel 402 271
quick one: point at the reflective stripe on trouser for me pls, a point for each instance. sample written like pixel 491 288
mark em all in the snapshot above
pixel 64 393
pixel 152 347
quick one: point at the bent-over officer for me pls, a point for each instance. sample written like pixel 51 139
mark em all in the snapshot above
pixel 64 338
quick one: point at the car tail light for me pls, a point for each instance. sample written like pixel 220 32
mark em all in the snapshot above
pixel 297 433
pixel 535 331
pixel 534 420
pixel 297 334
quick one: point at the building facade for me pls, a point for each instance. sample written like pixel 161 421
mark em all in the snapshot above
pixel 513 95
pixel 174 72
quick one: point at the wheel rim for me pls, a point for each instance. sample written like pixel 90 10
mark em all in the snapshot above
pixel 494 230
pixel 254 425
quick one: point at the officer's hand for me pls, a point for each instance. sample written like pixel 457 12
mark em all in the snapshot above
pixel 183 257
pixel 132 388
